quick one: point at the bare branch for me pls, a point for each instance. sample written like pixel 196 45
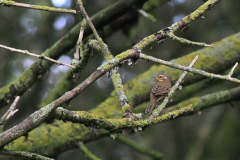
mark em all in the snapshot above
pixel 10 112
pixel 189 69
pixel 147 15
pixel 169 31
pixel 186 41
pixel 36 55
pixel 232 70
pixel 80 5
pixel 37 7
pixel 79 46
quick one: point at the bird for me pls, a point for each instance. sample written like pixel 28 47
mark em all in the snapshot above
pixel 159 91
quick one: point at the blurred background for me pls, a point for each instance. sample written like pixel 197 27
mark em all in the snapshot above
pixel 213 134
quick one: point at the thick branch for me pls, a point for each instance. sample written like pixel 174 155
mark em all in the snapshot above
pixel 98 122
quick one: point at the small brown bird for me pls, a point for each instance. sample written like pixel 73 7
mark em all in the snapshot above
pixel 159 91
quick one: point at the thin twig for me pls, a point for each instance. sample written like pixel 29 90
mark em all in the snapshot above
pixel 80 4
pixel 37 7
pixel 186 41
pixel 157 111
pixel 189 69
pixel 168 31
pixel 117 81
pixel 147 15
pixel 79 47
pixel 10 112
pixel 232 70
pixel 86 152
pixel 83 25
pixel 104 48
pixel 36 55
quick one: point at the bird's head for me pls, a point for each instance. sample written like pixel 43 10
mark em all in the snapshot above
pixel 161 77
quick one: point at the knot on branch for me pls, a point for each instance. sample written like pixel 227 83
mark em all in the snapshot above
pixel 182 26
pixel 125 103
pixel 132 117
pixel 37 70
pixel 112 72
pixel 210 6
pixel 160 38
pixel 128 114
pixel 132 57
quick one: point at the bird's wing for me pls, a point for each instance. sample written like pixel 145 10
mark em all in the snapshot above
pixel 159 90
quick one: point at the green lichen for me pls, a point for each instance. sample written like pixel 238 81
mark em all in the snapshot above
pixel 7 3
pixel 228 55
pixel 51 9
pixel 125 108
pixel 117 82
pixel 123 55
pixel 146 41
pixel 44 138
pixel 202 9
pixel 109 65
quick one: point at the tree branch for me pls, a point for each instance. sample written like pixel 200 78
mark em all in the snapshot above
pixel 86 152
pixel 192 70
pixel 10 112
pixel 37 7
pixel 114 125
pixel 36 55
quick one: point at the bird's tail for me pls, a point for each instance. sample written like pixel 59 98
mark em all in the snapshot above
pixel 150 108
